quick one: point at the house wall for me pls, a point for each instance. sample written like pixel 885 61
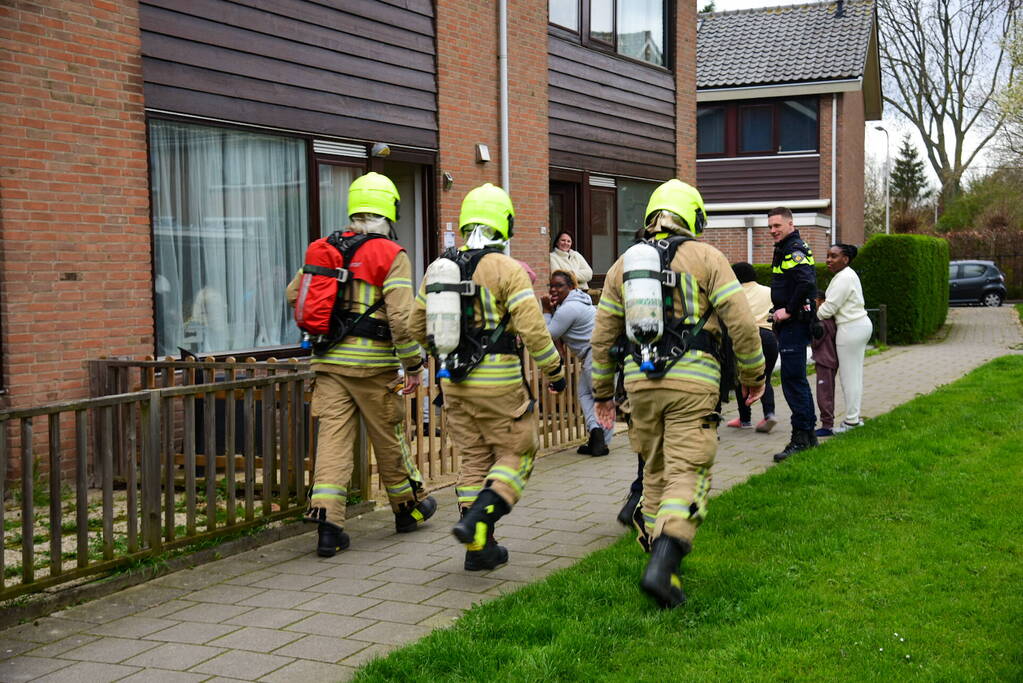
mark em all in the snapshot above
pixel 610 115
pixel 73 194
pixel 685 91
pixel 362 70
pixel 732 242
pixel 776 179
pixel 468 113
pixel 850 167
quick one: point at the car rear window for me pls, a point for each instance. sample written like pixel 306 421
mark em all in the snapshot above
pixel 973 270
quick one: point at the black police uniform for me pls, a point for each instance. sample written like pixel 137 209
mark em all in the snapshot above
pixel 793 287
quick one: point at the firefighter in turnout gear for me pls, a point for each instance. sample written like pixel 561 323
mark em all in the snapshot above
pixel 489 409
pixel 673 382
pixel 357 375
pixel 793 291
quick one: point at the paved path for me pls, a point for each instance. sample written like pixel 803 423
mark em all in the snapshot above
pixel 280 613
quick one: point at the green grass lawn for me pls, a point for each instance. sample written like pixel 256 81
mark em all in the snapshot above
pixel 891 552
pixel 1019 309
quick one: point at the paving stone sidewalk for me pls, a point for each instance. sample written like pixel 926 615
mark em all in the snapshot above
pixel 280 613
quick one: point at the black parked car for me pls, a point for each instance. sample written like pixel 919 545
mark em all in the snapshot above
pixel 975 282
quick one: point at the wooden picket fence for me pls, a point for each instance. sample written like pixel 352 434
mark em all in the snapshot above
pixel 168 453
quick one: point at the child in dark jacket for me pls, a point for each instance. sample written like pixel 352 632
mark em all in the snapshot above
pixel 825 358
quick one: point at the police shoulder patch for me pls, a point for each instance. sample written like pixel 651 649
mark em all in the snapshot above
pixel 798 256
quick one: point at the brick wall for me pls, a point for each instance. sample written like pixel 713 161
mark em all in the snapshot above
pixel 468 113
pixel 732 242
pixel 75 269
pixel 850 167
pixel 685 91
pixel 824 122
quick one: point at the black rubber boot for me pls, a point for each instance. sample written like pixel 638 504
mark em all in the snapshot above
pixel 801 440
pixel 331 539
pixel 625 514
pixel 477 523
pixel 412 514
pixel 491 557
pixel 596 445
pixel 639 524
pixel 662 580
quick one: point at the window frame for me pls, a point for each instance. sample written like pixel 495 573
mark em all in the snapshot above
pixel 733 127
pixel 582 36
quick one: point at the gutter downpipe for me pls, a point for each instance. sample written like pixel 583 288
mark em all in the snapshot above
pixel 834 169
pixel 502 77
pixel 502 68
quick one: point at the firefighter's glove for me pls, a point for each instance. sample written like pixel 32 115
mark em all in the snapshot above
pixel 558 385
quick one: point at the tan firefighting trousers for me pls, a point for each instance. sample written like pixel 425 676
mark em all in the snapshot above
pixel 339 401
pixel 497 439
pixel 676 433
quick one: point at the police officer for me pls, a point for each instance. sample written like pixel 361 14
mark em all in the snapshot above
pixel 490 415
pixel 793 288
pixel 675 404
pixel 358 375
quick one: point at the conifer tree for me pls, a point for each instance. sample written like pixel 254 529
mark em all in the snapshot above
pixel 908 182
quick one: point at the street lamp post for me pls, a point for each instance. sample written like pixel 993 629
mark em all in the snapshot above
pixel 887 178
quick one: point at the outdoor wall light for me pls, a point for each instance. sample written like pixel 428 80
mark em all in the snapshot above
pixel 380 150
pixel 482 154
pixel 449 180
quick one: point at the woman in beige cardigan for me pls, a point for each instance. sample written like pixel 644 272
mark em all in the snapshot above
pixel 563 257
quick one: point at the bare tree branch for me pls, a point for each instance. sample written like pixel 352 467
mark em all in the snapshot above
pixel 944 63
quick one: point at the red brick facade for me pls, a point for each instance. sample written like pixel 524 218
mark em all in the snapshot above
pixel 468 113
pixel 685 91
pixel 76 270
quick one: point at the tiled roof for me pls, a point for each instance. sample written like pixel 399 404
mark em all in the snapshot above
pixel 792 44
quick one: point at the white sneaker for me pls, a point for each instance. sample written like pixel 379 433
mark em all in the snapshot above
pixel 845 427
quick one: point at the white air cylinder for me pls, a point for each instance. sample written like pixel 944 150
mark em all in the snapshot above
pixel 644 314
pixel 443 310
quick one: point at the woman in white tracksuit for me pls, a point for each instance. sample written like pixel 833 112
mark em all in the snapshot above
pixel 570 313
pixel 844 303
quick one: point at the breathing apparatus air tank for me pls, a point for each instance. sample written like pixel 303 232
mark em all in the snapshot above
pixel 443 310
pixel 644 315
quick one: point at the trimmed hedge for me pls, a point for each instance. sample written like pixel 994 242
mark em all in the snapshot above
pixel 907 273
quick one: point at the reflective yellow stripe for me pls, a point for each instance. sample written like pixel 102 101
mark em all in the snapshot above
pixel 518 298
pixel 544 353
pixel 695 365
pixel 724 291
pixel 750 361
pixel 609 306
pixel 394 283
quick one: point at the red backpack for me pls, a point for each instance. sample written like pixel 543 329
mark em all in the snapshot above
pixel 321 309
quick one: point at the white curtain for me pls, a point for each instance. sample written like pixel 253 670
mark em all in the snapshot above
pixel 230 226
pixel 334 183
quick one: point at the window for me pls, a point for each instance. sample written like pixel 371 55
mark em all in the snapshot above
pixel 565 13
pixel 797 126
pixel 757 127
pixel 602 228
pixel 632 28
pixel 633 196
pixel 230 227
pixel 973 270
pixel 641 30
pixel 710 130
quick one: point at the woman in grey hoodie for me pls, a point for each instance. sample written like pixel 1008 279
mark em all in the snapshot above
pixel 570 313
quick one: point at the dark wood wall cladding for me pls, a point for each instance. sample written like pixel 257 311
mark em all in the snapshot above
pixel 759 180
pixel 363 69
pixel 609 115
